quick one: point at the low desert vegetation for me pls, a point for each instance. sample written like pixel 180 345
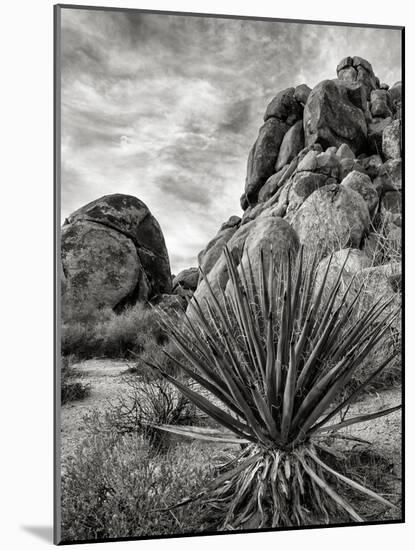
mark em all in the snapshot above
pixel 147 403
pixel 105 333
pixel 72 389
pixel 113 486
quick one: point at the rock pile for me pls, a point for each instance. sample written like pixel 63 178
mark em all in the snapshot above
pixel 324 171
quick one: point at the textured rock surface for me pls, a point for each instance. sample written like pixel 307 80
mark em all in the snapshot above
pixel 391 140
pixel 251 237
pixel 291 145
pixel 285 107
pixel 101 267
pixel 332 218
pixel 331 118
pixel 357 69
pixel 380 104
pixel 363 185
pixel 271 185
pixel 353 261
pixel 186 279
pixel 113 253
pixel 389 177
pixel 209 255
pixel 263 156
pixel 380 282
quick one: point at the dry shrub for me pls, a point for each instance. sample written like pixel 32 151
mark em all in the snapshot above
pixel 104 333
pixel 72 390
pixel 148 402
pixel 114 486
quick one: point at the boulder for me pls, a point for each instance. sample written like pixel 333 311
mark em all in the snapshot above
pixel 272 184
pixel 357 69
pixel 395 93
pixel 356 94
pixel 244 201
pixel 332 218
pixel 263 156
pixel 344 152
pixel 380 282
pixel 372 166
pixel 389 176
pixel 301 93
pixel 250 238
pixel 375 133
pixel 353 261
pixel 233 221
pixel 187 279
pixel 101 267
pixel 331 119
pixel 302 186
pixel 391 140
pixel 284 107
pixel 326 163
pixel 362 184
pixel 308 163
pixel 113 253
pixel 379 104
pixel 291 145
pixel 210 254
pixel 347 165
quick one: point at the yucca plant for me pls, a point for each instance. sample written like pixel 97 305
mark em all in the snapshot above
pixel 271 357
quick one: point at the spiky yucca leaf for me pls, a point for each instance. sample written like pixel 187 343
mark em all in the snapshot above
pixel 271 356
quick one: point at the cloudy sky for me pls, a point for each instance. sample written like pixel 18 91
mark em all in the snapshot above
pixel 167 107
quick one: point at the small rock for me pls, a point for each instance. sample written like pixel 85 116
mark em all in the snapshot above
pixel 372 165
pixel 379 107
pixel 344 152
pixel 362 184
pixel 232 222
pixel 375 133
pixel 389 177
pixel 271 185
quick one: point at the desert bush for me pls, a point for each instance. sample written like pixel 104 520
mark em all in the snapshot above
pixel 113 486
pixel 272 386
pixel 72 390
pixel 386 249
pixel 104 333
pixel 147 402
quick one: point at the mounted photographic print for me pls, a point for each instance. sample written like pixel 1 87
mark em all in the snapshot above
pixel 228 195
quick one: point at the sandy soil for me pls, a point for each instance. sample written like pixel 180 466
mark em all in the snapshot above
pixel 108 383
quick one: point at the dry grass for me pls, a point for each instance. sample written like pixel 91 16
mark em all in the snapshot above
pixel 104 333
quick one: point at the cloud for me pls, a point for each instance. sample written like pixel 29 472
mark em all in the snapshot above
pixel 166 108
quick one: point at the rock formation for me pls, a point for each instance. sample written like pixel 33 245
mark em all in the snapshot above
pixel 113 254
pixel 325 171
